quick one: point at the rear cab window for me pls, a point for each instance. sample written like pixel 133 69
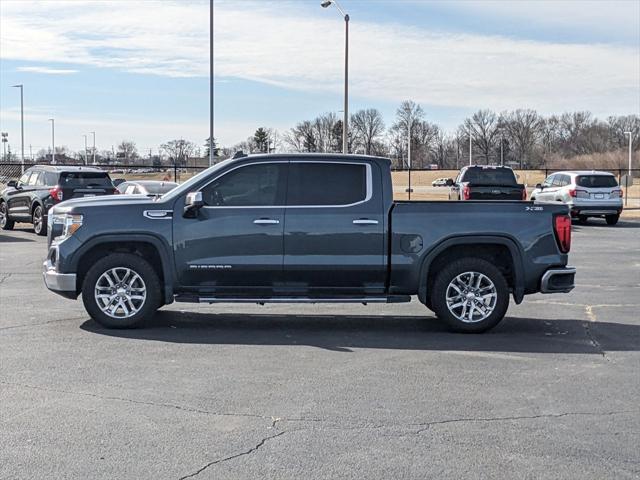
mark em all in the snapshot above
pixel 327 184
pixel 490 176
pixel 85 180
pixel 596 181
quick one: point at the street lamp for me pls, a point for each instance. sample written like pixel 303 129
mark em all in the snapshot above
pixel 85 149
pixel 630 143
pixel 21 123
pixel 470 148
pixel 345 122
pixel 211 82
pixel 53 143
pixel 94 147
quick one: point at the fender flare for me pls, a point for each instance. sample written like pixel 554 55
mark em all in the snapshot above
pixel 154 240
pixel 510 243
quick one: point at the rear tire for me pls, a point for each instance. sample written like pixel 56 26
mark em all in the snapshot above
pixel 5 223
pixel 39 220
pixel 612 219
pixel 582 219
pixel 471 295
pixel 121 290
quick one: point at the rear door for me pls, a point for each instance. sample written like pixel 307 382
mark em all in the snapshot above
pixel 79 184
pixel 334 229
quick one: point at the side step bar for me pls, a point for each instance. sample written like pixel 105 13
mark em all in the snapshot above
pixel 263 300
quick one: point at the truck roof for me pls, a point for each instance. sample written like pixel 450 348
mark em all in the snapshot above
pixel 63 168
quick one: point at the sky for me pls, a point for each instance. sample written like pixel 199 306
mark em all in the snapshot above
pixel 139 69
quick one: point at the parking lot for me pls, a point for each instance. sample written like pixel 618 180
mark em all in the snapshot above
pixel 235 391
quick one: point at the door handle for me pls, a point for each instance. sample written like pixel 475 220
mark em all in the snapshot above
pixel 266 221
pixel 365 221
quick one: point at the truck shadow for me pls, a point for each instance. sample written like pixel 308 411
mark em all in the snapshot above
pixel 343 333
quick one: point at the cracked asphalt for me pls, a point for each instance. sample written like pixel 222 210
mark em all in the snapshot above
pixel 325 391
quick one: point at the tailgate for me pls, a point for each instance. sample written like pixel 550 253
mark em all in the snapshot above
pixel 495 192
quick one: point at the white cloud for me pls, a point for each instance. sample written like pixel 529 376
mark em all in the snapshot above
pixel 47 70
pixel 287 47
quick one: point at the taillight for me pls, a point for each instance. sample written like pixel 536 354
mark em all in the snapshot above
pixel 572 193
pixel 116 191
pixel 466 192
pixel 524 194
pixel 56 193
pixel 620 193
pixel 562 229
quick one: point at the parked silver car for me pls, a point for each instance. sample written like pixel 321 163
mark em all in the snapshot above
pixel 586 193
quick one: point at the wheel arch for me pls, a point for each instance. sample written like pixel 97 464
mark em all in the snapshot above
pixel 147 246
pixel 481 246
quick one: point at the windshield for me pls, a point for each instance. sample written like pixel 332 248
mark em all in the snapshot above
pixel 596 181
pixel 491 176
pixel 188 185
pixel 85 179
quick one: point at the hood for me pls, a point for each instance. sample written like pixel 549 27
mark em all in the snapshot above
pixel 103 201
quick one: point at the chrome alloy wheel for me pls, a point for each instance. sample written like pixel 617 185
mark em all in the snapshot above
pixel 471 297
pixel 120 292
pixel 37 219
pixel 3 214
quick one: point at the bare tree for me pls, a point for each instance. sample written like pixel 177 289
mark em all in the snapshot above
pixel 483 127
pixel 524 128
pixel 368 128
pixel 127 151
pixel 178 151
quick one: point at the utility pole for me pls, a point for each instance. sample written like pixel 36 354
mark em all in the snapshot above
pixel 85 150
pixel 470 149
pixel 210 82
pixel 630 143
pixel 53 142
pixel 94 147
pixel 21 124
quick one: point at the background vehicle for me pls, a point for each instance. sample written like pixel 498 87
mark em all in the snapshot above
pixel 267 228
pixel 482 182
pixel 439 182
pixel 41 186
pixel 586 193
pixel 151 188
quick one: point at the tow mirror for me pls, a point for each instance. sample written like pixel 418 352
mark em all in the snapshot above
pixel 192 203
pixel 449 182
pixel 539 186
pixel 12 183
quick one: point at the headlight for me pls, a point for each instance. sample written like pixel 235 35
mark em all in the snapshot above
pixel 70 224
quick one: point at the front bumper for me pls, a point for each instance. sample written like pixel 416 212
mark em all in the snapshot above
pixel 61 283
pixel 558 280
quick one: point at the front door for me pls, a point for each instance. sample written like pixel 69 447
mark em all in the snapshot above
pixel 234 244
pixel 19 200
pixel 334 229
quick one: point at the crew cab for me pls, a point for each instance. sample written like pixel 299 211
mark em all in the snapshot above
pixel 304 228
pixel 486 182
pixel 42 186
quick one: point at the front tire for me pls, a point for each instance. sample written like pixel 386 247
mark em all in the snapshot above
pixel 121 290
pixel 612 219
pixel 39 220
pixel 471 295
pixel 5 222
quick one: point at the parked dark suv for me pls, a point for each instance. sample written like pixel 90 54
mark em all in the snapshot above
pixel 40 187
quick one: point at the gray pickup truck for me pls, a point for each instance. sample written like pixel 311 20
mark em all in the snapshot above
pixel 304 228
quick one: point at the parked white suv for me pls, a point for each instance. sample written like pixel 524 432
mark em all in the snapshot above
pixel 586 193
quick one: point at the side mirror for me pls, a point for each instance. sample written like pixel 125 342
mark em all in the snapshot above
pixel 12 183
pixel 449 182
pixel 192 203
pixel 539 186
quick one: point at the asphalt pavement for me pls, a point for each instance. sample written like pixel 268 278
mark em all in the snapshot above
pixel 325 391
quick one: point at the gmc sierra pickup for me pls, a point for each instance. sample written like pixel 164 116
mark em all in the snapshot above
pixel 304 228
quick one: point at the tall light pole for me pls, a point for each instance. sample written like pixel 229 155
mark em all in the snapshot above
pixel 409 153
pixel 85 149
pixel 94 147
pixel 630 143
pixel 470 149
pixel 210 82
pixel 53 142
pixel 21 123
pixel 345 122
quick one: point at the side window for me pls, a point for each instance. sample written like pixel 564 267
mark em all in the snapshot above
pixel 24 179
pixel 328 184
pixel 33 179
pixel 557 180
pixel 51 179
pixel 566 180
pixel 257 185
pixel 549 181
